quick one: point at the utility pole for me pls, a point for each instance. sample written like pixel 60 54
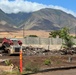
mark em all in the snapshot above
pixel 75 31
pixel 23 31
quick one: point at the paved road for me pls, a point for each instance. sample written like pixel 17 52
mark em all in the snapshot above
pixel 62 72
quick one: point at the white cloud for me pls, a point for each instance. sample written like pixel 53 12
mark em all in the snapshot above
pixel 27 6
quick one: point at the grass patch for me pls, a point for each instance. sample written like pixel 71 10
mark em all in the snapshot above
pixel 47 62
pixel 8 62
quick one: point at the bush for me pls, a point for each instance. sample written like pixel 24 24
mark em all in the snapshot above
pixel 32 67
pixel 8 62
pixel 47 62
pixel 32 35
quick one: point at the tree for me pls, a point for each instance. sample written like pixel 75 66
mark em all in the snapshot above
pixel 54 34
pixel 64 34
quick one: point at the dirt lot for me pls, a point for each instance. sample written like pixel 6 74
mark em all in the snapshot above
pixel 55 60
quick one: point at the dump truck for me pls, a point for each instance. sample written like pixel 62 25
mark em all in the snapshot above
pixel 11 46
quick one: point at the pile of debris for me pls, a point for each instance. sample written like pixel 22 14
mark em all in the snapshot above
pixel 29 50
pixel 68 51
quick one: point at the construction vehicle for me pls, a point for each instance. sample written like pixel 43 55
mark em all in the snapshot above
pixel 11 46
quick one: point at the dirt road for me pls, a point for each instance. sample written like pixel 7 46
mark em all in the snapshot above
pixel 62 72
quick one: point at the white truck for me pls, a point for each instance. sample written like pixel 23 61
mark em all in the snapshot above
pixel 12 46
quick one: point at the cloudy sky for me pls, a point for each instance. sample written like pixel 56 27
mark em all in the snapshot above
pixel 15 6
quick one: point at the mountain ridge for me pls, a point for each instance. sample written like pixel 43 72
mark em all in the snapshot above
pixel 44 19
pixel 52 17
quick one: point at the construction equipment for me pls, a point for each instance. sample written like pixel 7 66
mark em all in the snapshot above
pixel 12 46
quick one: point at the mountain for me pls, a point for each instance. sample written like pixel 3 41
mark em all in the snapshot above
pixel 44 19
pixel 19 18
pixel 49 19
pixel 6 24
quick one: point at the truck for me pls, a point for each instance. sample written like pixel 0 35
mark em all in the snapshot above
pixel 10 45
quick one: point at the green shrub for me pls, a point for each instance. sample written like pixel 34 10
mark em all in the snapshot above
pixel 32 35
pixel 28 67
pixel 35 69
pixel 8 62
pixel 31 67
pixel 47 62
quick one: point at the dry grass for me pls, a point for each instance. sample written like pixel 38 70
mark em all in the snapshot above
pixel 19 34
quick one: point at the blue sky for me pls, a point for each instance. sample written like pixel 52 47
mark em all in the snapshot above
pixel 34 5
pixel 69 4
